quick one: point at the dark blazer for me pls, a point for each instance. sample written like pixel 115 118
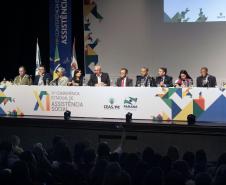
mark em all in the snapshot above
pixel 45 77
pixel 80 81
pixel 212 82
pixel 104 78
pixel 149 79
pixel 129 82
pixel 168 81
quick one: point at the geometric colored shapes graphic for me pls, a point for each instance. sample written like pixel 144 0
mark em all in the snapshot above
pixel 2 112
pixel 187 93
pixel 179 92
pixel 197 109
pixel 88 9
pixel 175 109
pixel 215 112
pixel 165 116
pixel 168 102
pixel 170 92
pixel 200 102
pixel 185 112
pixel 90 51
pixel 2 89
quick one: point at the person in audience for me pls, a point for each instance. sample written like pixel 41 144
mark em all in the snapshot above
pixel 144 79
pixel 220 176
pixel 124 80
pixel 184 79
pixel 29 158
pixel 20 174
pixel 61 79
pixel 174 177
pixel 154 176
pixel 22 78
pixel 114 175
pixel 173 153
pixel 163 80
pixel 89 159
pixel 205 79
pixel 77 79
pixel 200 162
pixel 183 168
pixel 78 153
pixel 97 174
pixel 51 151
pixel 99 78
pixel 203 179
pixel 148 156
pixel 103 167
pixel 42 78
pixel 189 157
pixel 103 151
pixel 7 156
pixel 15 141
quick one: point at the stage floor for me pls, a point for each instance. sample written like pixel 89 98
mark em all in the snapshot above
pixel 178 127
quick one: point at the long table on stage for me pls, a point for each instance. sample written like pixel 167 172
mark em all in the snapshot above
pixel 161 104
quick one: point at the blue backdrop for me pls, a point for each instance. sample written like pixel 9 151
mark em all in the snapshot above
pixel 60 26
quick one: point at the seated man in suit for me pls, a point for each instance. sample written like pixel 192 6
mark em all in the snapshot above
pixel 124 80
pixel 144 79
pixel 163 80
pixel 22 78
pixel 99 78
pixel 206 80
pixel 42 78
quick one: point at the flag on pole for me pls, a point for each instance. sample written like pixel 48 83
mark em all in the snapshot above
pixel 38 58
pixel 56 61
pixel 56 55
pixel 74 62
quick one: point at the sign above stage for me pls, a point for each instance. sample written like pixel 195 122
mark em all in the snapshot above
pixel 207 104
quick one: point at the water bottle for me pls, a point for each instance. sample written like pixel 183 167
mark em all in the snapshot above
pixel 47 81
pixel 148 83
pixel 4 80
pixel 112 83
pixel 142 83
pixel 84 82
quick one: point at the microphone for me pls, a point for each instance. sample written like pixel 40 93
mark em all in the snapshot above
pixel 54 82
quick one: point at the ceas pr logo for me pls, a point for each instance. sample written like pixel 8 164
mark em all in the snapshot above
pixel 43 101
pixel 111 101
pixel 130 102
pixel 111 105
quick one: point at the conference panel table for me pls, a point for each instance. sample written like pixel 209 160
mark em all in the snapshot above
pixel 207 104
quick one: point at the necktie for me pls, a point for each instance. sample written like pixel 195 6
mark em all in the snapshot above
pixel 122 83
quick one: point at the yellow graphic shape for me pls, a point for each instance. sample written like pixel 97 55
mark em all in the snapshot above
pixel 182 116
pixel 90 51
pixel 88 9
pixel 38 100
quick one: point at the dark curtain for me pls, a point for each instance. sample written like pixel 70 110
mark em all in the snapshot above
pixel 25 21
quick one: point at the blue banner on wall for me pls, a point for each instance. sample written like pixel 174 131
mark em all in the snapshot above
pixel 60 27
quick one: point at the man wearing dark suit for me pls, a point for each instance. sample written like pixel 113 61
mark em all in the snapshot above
pixel 42 78
pixel 99 78
pixel 124 80
pixel 163 80
pixel 206 80
pixel 144 79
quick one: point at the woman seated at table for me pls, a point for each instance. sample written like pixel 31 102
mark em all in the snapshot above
pixel 77 79
pixel 61 79
pixel 184 79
